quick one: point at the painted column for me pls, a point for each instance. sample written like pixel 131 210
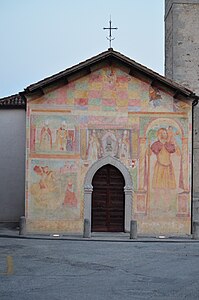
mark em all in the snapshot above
pixel 185 163
pixel 83 144
pixel 183 208
pixel 141 193
pixel 142 163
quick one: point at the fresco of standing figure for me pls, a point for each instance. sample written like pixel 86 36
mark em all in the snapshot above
pixel 163 176
pixel 45 142
pixel 61 137
pixel 93 146
pixel 124 146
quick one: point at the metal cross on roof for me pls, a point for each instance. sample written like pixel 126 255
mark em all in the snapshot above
pixel 110 35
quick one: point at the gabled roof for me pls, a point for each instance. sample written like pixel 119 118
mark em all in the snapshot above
pixel 111 56
pixel 13 101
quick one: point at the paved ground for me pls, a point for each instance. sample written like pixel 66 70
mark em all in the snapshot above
pixel 42 269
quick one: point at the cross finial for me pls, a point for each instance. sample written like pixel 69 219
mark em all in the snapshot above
pixel 110 38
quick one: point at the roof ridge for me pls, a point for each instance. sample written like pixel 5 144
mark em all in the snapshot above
pixel 106 55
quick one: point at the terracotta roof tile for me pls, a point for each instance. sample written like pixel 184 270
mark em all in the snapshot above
pixel 13 101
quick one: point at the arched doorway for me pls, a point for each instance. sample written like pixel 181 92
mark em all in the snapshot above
pixel 108 200
pixel 128 188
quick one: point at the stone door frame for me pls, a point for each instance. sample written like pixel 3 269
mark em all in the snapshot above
pixel 128 188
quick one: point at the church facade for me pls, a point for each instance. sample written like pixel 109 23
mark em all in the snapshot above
pixel 108 140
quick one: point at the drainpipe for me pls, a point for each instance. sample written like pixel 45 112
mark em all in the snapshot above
pixel 194 103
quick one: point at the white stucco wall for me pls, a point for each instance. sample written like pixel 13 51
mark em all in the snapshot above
pixel 12 164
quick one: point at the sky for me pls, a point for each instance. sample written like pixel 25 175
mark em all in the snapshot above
pixel 39 38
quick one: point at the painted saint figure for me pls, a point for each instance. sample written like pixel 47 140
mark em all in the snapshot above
pixel 163 176
pixel 45 138
pixel 46 184
pixel 61 137
pixel 93 146
pixel 124 146
pixel 154 96
pixel 70 141
pixel 70 197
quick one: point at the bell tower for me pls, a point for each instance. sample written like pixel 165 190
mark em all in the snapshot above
pixel 182 65
pixel 182 42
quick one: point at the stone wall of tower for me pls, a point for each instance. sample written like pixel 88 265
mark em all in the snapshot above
pixel 182 42
pixel 182 65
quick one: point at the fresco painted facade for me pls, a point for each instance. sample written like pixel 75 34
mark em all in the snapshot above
pixel 108 113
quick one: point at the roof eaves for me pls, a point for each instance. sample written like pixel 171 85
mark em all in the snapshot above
pixel 68 71
pixel 155 75
pixel 117 55
pixel 13 101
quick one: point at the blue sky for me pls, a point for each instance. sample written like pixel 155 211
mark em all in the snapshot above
pixel 39 38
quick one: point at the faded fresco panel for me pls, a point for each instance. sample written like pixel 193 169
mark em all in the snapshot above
pixel 110 89
pixel 53 190
pixel 54 134
pixel 113 142
pixel 164 176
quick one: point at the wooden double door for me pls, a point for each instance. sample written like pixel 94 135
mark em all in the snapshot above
pixel 108 200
